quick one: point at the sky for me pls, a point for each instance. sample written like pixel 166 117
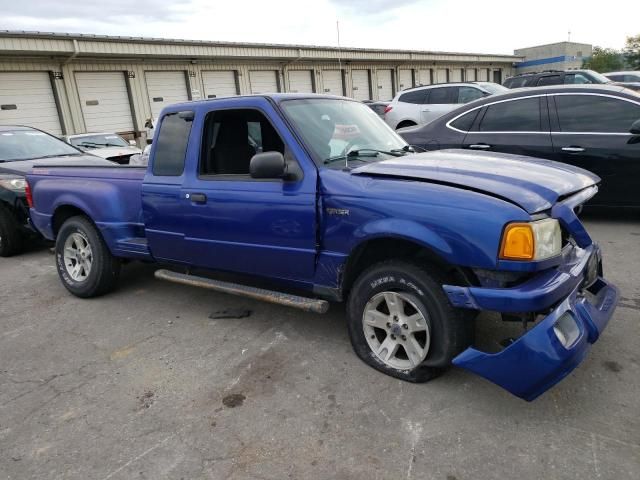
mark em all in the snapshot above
pixel 482 26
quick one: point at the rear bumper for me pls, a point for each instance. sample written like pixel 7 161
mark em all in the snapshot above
pixel 538 360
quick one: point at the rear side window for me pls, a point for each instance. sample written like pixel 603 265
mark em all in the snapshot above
pixel 465 122
pixel 550 80
pixel 576 78
pixel 415 96
pixel 593 113
pixel 617 78
pixel 468 94
pixel 513 116
pixel 442 95
pixel 515 82
pixel 171 144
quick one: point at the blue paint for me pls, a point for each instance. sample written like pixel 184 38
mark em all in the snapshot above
pixel 545 61
pixel 453 203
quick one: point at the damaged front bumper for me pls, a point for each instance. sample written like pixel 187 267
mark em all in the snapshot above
pixel 581 303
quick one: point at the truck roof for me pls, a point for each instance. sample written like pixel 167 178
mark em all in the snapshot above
pixel 277 97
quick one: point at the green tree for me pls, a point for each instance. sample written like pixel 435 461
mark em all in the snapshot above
pixel 632 52
pixel 604 60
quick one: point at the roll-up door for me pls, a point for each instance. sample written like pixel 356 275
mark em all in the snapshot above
pixel 263 81
pixel 405 79
pixel 455 75
pixel 219 83
pixel 104 101
pixel 441 75
pixel 165 88
pixel 361 85
pixel 26 98
pixel 470 75
pixel 332 82
pixel 385 84
pixel 301 81
pixel 482 75
pixel 425 77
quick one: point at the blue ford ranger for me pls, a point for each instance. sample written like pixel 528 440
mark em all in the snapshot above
pixel 309 199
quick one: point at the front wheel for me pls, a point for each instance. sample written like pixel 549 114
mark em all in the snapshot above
pixel 85 264
pixel 401 322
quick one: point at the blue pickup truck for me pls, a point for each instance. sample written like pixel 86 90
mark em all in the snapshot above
pixel 309 199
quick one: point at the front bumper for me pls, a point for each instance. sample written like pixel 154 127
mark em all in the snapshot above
pixel 538 359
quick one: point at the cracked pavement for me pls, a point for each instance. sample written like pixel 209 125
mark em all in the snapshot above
pixel 142 384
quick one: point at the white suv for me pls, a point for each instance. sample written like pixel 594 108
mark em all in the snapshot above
pixel 420 105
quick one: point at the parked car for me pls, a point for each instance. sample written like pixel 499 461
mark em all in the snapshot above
pixel 423 104
pixel 630 79
pixel 109 146
pixel 378 107
pixel 594 127
pixel 556 77
pixel 336 205
pixel 21 148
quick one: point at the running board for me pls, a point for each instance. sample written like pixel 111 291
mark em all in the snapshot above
pixel 303 303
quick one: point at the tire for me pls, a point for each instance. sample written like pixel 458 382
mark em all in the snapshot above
pixel 426 320
pixel 91 271
pixel 406 123
pixel 11 241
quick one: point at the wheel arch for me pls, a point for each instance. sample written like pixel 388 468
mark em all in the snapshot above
pixel 64 212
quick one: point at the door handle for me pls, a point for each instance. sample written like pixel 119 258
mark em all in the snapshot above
pixel 479 146
pixel 573 149
pixel 197 197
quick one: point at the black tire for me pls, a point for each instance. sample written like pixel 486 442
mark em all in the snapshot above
pixel 11 240
pixel 406 123
pixel 105 268
pixel 451 330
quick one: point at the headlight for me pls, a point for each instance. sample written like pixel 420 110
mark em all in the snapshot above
pixel 531 241
pixel 15 184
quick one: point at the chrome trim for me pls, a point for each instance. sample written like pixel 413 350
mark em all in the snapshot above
pixel 448 124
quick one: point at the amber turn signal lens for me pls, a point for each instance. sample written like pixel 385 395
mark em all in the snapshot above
pixel 518 242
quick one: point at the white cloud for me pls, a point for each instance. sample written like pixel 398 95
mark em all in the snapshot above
pixel 487 26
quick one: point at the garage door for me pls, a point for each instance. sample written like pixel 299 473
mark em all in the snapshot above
pixel 301 81
pixel 470 75
pixel 385 84
pixel 424 77
pixel 361 85
pixel 482 74
pixel 441 75
pixel 26 98
pixel 165 88
pixel 332 82
pixel 263 81
pixel 455 75
pixel 104 101
pixel 405 79
pixel 220 84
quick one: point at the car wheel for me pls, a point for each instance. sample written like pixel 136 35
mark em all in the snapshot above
pixel 10 236
pixel 401 323
pixel 85 264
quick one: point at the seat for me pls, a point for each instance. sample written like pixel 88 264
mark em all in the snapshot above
pixel 232 153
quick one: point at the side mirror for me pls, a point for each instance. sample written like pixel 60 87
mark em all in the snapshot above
pixel 268 165
pixel 635 128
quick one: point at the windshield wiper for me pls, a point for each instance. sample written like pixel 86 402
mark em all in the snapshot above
pixel 364 152
pixel 98 145
pixel 58 155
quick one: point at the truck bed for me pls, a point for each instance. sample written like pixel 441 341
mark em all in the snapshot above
pixel 110 196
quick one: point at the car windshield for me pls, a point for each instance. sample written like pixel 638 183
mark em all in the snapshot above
pixel 598 77
pixel 493 88
pixel 335 128
pixel 98 141
pixel 30 144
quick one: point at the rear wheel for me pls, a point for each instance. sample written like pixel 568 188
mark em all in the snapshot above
pixel 85 264
pixel 401 322
pixel 11 240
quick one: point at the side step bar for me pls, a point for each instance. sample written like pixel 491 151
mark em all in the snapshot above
pixel 303 303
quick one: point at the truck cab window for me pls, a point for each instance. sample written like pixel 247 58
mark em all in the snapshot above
pixel 171 145
pixel 232 138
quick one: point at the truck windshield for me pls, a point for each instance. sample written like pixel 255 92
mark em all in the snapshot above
pixel 334 128
pixel 31 144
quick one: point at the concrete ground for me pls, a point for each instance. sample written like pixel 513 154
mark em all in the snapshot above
pixel 142 384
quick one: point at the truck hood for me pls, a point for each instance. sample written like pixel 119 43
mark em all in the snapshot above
pixel 533 184
pixel 23 167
